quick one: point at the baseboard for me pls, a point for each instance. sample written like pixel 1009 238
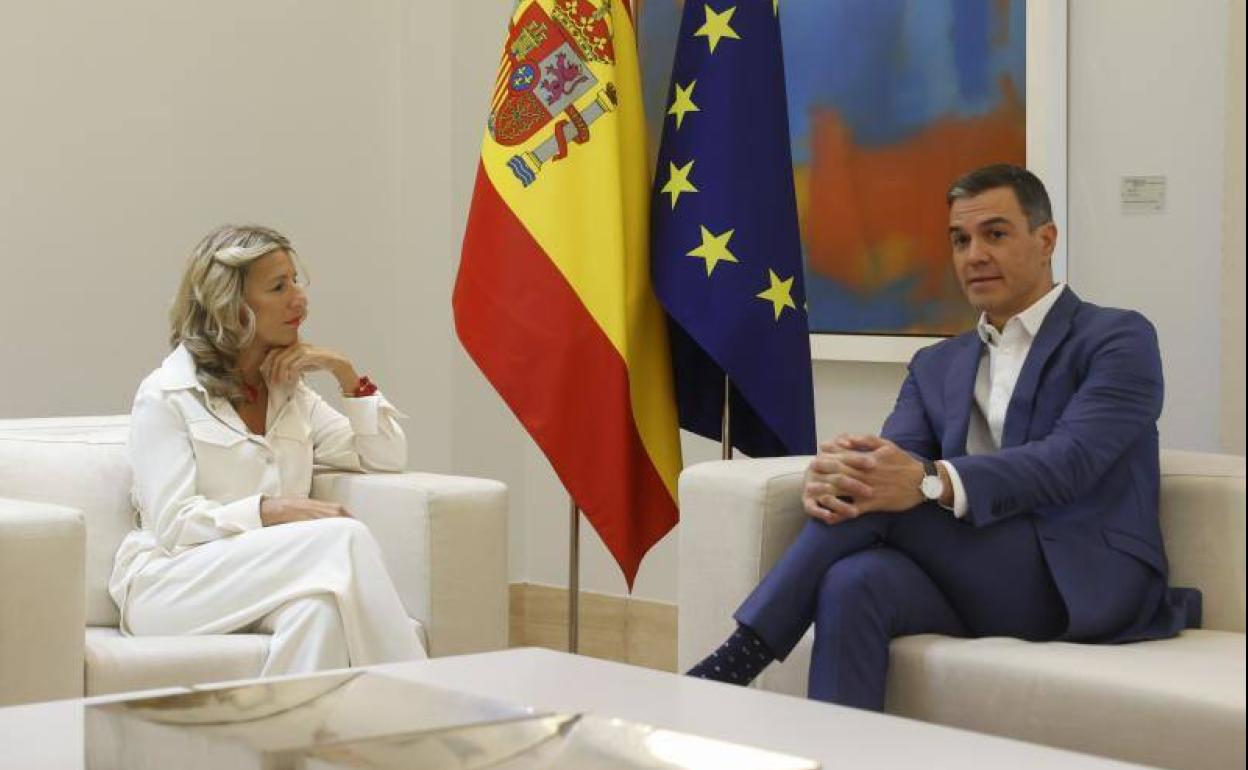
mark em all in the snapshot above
pixel 623 629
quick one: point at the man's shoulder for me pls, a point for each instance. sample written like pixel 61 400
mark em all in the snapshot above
pixel 1096 332
pixel 1090 318
pixel 946 348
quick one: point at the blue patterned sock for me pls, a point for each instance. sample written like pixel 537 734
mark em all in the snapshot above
pixel 737 661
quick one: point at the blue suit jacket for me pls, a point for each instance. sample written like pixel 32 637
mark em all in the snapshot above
pixel 1078 453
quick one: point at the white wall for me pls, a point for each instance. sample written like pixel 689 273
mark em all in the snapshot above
pixel 1233 237
pixel 1147 96
pixel 131 127
pixel 419 345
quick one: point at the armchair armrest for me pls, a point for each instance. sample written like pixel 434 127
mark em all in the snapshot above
pixel 736 518
pixel 42 601
pixel 444 542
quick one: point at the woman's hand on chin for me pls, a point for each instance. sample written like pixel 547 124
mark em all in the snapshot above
pixel 286 365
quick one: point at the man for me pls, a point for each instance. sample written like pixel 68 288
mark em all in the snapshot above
pixel 1013 491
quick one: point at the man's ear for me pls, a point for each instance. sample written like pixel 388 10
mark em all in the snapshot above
pixel 1047 233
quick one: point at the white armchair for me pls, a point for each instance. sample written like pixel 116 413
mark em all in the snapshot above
pixel 1172 703
pixel 65 506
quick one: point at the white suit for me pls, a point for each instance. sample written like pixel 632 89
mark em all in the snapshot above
pixel 202 563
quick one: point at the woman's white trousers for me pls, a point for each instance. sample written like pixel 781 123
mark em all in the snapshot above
pixel 319 587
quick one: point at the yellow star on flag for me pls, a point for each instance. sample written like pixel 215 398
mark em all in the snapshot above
pixel 683 102
pixel 678 181
pixel 714 249
pixel 779 294
pixel 717 27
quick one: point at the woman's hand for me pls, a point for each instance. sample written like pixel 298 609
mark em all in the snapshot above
pixel 286 365
pixel 284 510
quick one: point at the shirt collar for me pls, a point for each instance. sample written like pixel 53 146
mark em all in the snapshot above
pixel 1030 319
pixel 179 371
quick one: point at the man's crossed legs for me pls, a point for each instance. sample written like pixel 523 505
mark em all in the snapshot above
pixel 865 581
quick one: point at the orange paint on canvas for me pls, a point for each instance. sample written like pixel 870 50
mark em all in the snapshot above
pixel 872 216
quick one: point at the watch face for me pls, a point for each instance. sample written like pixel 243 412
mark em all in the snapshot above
pixel 931 487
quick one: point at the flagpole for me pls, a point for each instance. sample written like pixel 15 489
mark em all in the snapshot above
pixel 574 574
pixel 725 426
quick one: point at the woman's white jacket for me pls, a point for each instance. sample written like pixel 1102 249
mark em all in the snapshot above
pixel 199 473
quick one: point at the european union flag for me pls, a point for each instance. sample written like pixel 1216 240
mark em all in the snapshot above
pixel 726 253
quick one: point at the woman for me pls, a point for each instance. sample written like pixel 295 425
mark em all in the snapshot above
pixel 223 437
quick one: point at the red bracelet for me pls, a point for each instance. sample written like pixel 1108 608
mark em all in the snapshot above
pixel 364 387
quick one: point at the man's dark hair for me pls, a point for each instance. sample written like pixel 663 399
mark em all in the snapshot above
pixel 1027 187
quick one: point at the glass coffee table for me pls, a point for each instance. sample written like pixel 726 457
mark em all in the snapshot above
pixel 548 708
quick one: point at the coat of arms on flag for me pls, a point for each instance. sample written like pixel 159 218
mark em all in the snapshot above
pixel 547 77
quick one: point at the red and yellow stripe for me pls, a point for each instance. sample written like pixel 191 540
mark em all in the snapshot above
pixel 554 303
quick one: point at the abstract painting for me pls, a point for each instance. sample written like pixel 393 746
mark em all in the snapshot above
pixel 889 101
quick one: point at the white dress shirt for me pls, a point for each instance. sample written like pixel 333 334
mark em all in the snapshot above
pixel 200 473
pixel 1002 361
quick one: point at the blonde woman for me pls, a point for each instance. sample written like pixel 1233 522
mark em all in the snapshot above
pixel 223 437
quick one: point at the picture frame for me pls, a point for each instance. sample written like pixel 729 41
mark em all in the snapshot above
pixel 1046 127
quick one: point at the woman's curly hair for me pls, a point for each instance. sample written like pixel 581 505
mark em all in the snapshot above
pixel 209 315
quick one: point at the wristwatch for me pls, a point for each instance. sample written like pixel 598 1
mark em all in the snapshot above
pixel 931 486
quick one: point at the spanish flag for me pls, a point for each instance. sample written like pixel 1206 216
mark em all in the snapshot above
pixel 553 298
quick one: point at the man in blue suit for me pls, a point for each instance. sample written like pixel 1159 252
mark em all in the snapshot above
pixel 1012 492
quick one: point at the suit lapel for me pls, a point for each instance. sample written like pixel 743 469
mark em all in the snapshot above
pixel 1054 329
pixel 959 395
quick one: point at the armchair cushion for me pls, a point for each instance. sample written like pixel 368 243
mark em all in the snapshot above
pixel 117 663
pixel 1171 702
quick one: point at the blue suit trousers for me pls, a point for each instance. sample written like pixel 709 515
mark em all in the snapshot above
pixel 866 581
